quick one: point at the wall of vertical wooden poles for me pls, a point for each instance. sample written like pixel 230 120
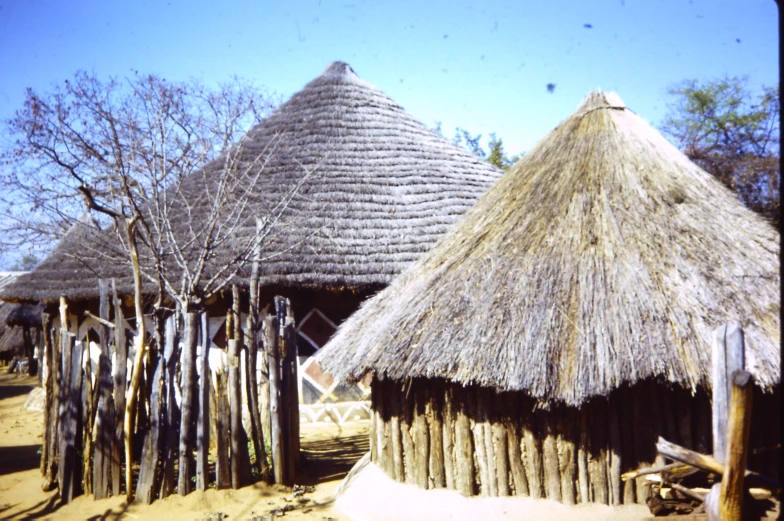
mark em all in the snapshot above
pixel 85 402
pixel 437 434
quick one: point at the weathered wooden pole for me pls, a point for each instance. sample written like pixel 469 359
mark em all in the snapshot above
pixel 257 431
pixel 120 377
pixel 223 420
pixel 49 449
pixel 188 385
pixel 148 484
pixel 203 422
pixel 291 397
pixel 240 460
pixel 276 427
pixel 731 495
pixel 171 416
pixel 69 408
pixel 728 357
pixel 105 413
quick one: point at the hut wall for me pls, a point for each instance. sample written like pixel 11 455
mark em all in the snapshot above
pixel 442 435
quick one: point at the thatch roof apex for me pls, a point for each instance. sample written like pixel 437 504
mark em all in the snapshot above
pixel 602 258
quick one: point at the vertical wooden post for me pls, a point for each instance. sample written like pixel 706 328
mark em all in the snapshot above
pixel 240 459
pixel 433 411
pixel 731 495
pixel 105 413
pixel 120 377
pixel 49 456
pixel 291 396
pixel 189 402
pixel 223 419
pixel 510 412
pixel 203 422
pixel 276 427
pixel 69 409
pixel 464 459
pixel 171 416
pixel 257 432
pixel 728 357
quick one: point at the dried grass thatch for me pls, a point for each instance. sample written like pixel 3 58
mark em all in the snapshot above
pixel 379 190
pixel 603 257
pixel 82 256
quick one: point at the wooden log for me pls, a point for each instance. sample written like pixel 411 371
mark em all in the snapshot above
pixel 68 477
pixel 406 424
pixel 597 466
pixel 203 420
pixel 420 437
pixel 254 329
pixel 738 425
pixel 120 377
pixel 711 464
pixel 567 463
pixel 375 392
pixel 393 397
pixel 105 414
pixel 464 459
pixel 513 437
pixel 291 402
pixel 437 477
pixel 500 445
pixel 148 482
pixel 189 403
pixel 223 463
pixel 476 406
pixel 383 431
pixel 51 387
pixel 240 459
pixel 86 424
pixel 171 416
pixel 486 413
pixel 615 451
pixel 532 454
pixel 550 463
pixel 276 423
pixel 583 452
pixel 728 357
pixel 448 436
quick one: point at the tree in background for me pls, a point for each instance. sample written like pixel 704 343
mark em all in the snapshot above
pixel 495 154
pixel 733 134
pixel 125 149
pixel 27 262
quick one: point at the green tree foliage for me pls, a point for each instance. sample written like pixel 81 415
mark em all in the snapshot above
pixel 733 134
pixel 495 154
pixel 25 263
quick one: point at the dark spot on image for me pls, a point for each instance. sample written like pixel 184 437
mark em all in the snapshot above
pixel 588 26
pixel 551 87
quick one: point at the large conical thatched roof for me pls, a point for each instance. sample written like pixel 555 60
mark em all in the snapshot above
pixel 602 257
pixel 382 187
pixel 72 269
pixel 379 187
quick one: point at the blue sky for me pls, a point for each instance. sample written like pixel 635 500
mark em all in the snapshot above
pixel 480 65
pixel 483 66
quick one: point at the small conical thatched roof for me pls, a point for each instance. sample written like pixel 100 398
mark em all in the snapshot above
pixel 379 190
pixel 73 268
pixel 603 257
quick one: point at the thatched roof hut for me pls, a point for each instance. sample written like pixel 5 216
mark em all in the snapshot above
pixel 381 188
pixel 84 254
pixel 600 263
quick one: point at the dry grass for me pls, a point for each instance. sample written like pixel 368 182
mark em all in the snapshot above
pixel 603 256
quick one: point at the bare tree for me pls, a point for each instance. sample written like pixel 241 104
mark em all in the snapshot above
pixel 135 151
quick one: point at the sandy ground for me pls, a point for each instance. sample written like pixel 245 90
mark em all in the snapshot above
pixel 328 454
